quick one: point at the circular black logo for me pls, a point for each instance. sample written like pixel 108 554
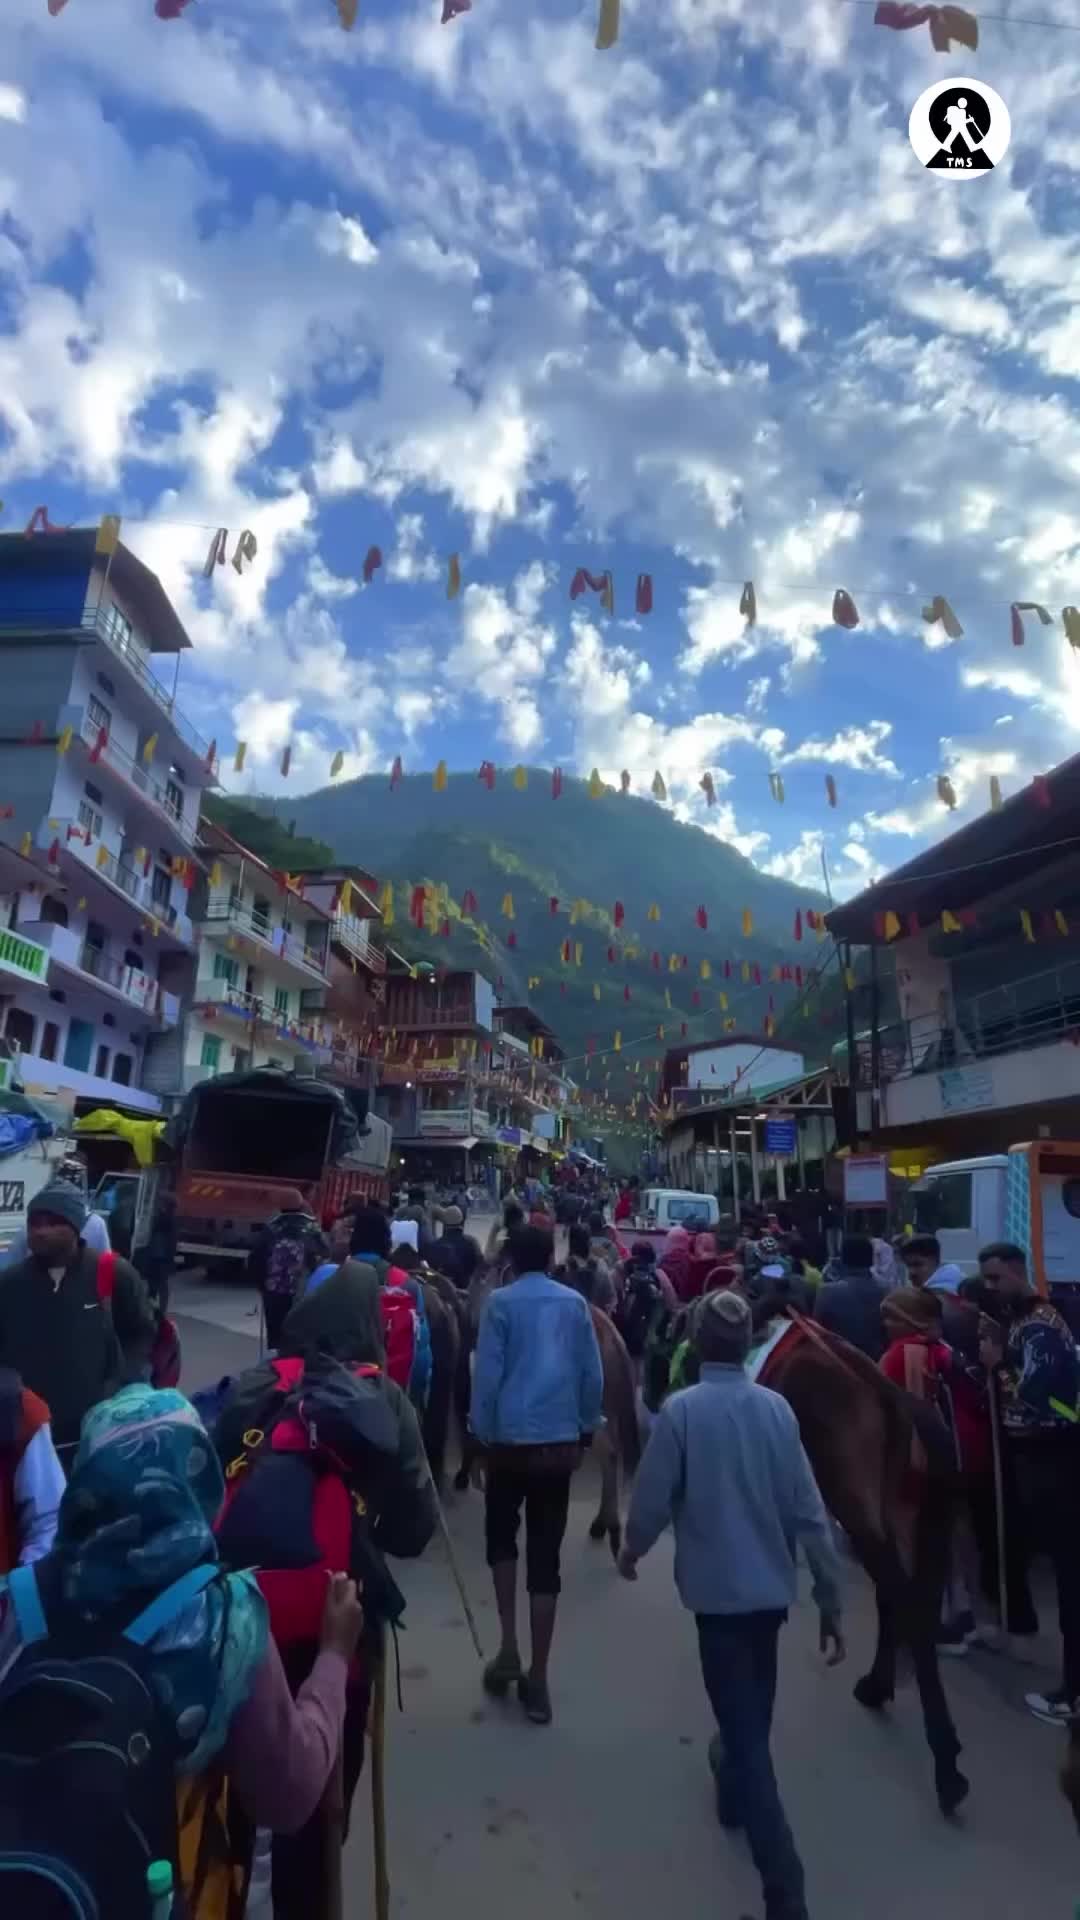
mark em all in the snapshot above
pixel 960 127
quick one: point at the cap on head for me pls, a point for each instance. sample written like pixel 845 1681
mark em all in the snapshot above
pixel 452 1217
pixel 291 1200
pixel 727 1309
pixel 62 1202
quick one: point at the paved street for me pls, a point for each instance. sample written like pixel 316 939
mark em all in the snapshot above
pixel 608 1812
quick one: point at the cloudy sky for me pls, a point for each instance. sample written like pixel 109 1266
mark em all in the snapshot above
pixel 690 307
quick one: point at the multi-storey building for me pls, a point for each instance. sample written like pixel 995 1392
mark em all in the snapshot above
pixel 100 784
pixel 529 1093
pixel 437 1039
pixel 262 947
pixel 350 1003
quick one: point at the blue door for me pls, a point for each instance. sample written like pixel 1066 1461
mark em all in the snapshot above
pixel 80 1042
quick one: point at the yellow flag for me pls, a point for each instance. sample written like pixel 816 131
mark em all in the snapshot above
pixel 215 874
pixel 453 577
pixel 673 963
pixel 596 785
pixel 508 906
pixel 706 970
pixel 607 25
pixel 386 904
pixel 101 857
pixel 654 912
pixel 747 923
pixel 892 925
pixel 150 748
pixel 950 923
pixel 607 594
pixel 438 778
pixel 995 794
pixel 578 952
pixel 25 845
pixel 65 740
pixel 1026 926
pixel 336 764
pixel 746 970
pixel 723 1003
pixel 849 979
pixel 1060 921
pixel 617 1042
pixel 596 993
pixel 108 534
pixel 667 997
pixel 240 756
pixel 521 778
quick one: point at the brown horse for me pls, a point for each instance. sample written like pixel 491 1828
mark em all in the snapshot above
pixel 857 1429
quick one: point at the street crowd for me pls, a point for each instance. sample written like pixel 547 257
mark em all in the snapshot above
pixel 183 1736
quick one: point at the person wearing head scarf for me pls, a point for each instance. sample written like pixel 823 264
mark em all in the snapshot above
pixel 137 1515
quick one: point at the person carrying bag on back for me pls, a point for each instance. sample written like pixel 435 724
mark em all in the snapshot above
pixel 140 1691
pixel 74 1324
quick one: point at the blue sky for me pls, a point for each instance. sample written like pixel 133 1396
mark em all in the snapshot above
pixel 689 307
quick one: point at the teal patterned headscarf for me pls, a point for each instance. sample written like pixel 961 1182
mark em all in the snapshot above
pixel 138 1512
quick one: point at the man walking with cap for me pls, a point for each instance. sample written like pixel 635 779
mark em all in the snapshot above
pixel 74 1323
pixel 726 1468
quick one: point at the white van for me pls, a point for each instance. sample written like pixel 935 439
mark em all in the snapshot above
pixel 1029 1196
pixel 665 1207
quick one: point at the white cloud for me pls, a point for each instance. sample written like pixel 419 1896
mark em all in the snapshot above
pixel 858 748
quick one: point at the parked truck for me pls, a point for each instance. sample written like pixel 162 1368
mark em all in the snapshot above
pixel 243 1140
pixel 1030 1196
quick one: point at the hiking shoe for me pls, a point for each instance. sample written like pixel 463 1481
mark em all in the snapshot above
pixel 500 1675
pixel 952 1639
pixel 1053 1709
pixel 536 1700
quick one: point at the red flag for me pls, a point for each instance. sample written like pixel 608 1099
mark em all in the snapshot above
pixel 211 756
pixel 511 938
pixel 727 969
pixel 626 993
pixel 1040 786
pixel 468 901
pixel 798 923
pixel 99 745
pixel 702 919
pixel 486 774
pixel 395 773
pixel 656 962
pixel 913 926
pixel 416 907
pixel 643 596
pixel 612 956
pixel 682 1031
pixel 798 976
pixel 566 952
pixel 556 782
pixel 53 855
pixel 624 781
pixel 444 929
pixel 695 998
pixel 36 735
pixel 618 913
pixel 372 562
pixel 757 974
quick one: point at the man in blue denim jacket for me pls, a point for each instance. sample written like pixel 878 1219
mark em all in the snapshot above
pixel 537 1395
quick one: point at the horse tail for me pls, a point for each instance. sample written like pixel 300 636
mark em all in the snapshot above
pixel 620 1391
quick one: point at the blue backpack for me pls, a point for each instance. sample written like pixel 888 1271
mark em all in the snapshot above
pixel 88 1757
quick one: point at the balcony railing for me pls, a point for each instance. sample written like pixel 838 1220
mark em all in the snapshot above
pixel 453 1122
pixel 222 995
pixel 136 775
pixel 221 910
pixel 136 986
pixel 22 957
pixel 101 621
pixel 1032 1012
pixel 353 936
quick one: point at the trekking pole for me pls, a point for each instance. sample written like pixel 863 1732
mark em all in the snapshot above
pixel 378 1792
pixel 456 1572
pixel 999 1510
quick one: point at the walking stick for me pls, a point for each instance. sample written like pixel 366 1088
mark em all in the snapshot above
pixel 333 1813
pixel 378 1792
pixel 454 1567
pixel 999 1508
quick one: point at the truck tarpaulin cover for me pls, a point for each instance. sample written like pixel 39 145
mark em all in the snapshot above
pixel 20 1123
pixel 279 1096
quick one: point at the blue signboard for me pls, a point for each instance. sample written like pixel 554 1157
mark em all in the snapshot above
pixel 780 1136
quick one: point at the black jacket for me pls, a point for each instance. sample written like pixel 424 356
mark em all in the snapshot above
pixel 67 1346
pixel 851 1306
pixel 456 1255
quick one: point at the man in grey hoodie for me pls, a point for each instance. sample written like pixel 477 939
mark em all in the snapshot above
pixel 726 1467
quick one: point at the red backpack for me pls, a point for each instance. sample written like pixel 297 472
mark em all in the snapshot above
pixel 400 1328
pixel 165 1350
pixel 293 1502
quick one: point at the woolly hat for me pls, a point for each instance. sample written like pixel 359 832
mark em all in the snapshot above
pixel 64 1202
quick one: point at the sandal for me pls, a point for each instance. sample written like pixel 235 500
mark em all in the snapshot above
pixel 536 1701
pixel 500 1675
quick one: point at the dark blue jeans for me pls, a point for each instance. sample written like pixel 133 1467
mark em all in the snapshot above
pixel 738 1661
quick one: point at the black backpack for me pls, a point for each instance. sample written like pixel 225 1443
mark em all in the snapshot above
pixel 88 1757
pixel 639 1310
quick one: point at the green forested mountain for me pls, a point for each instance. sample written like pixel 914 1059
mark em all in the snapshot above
pixel 573 849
